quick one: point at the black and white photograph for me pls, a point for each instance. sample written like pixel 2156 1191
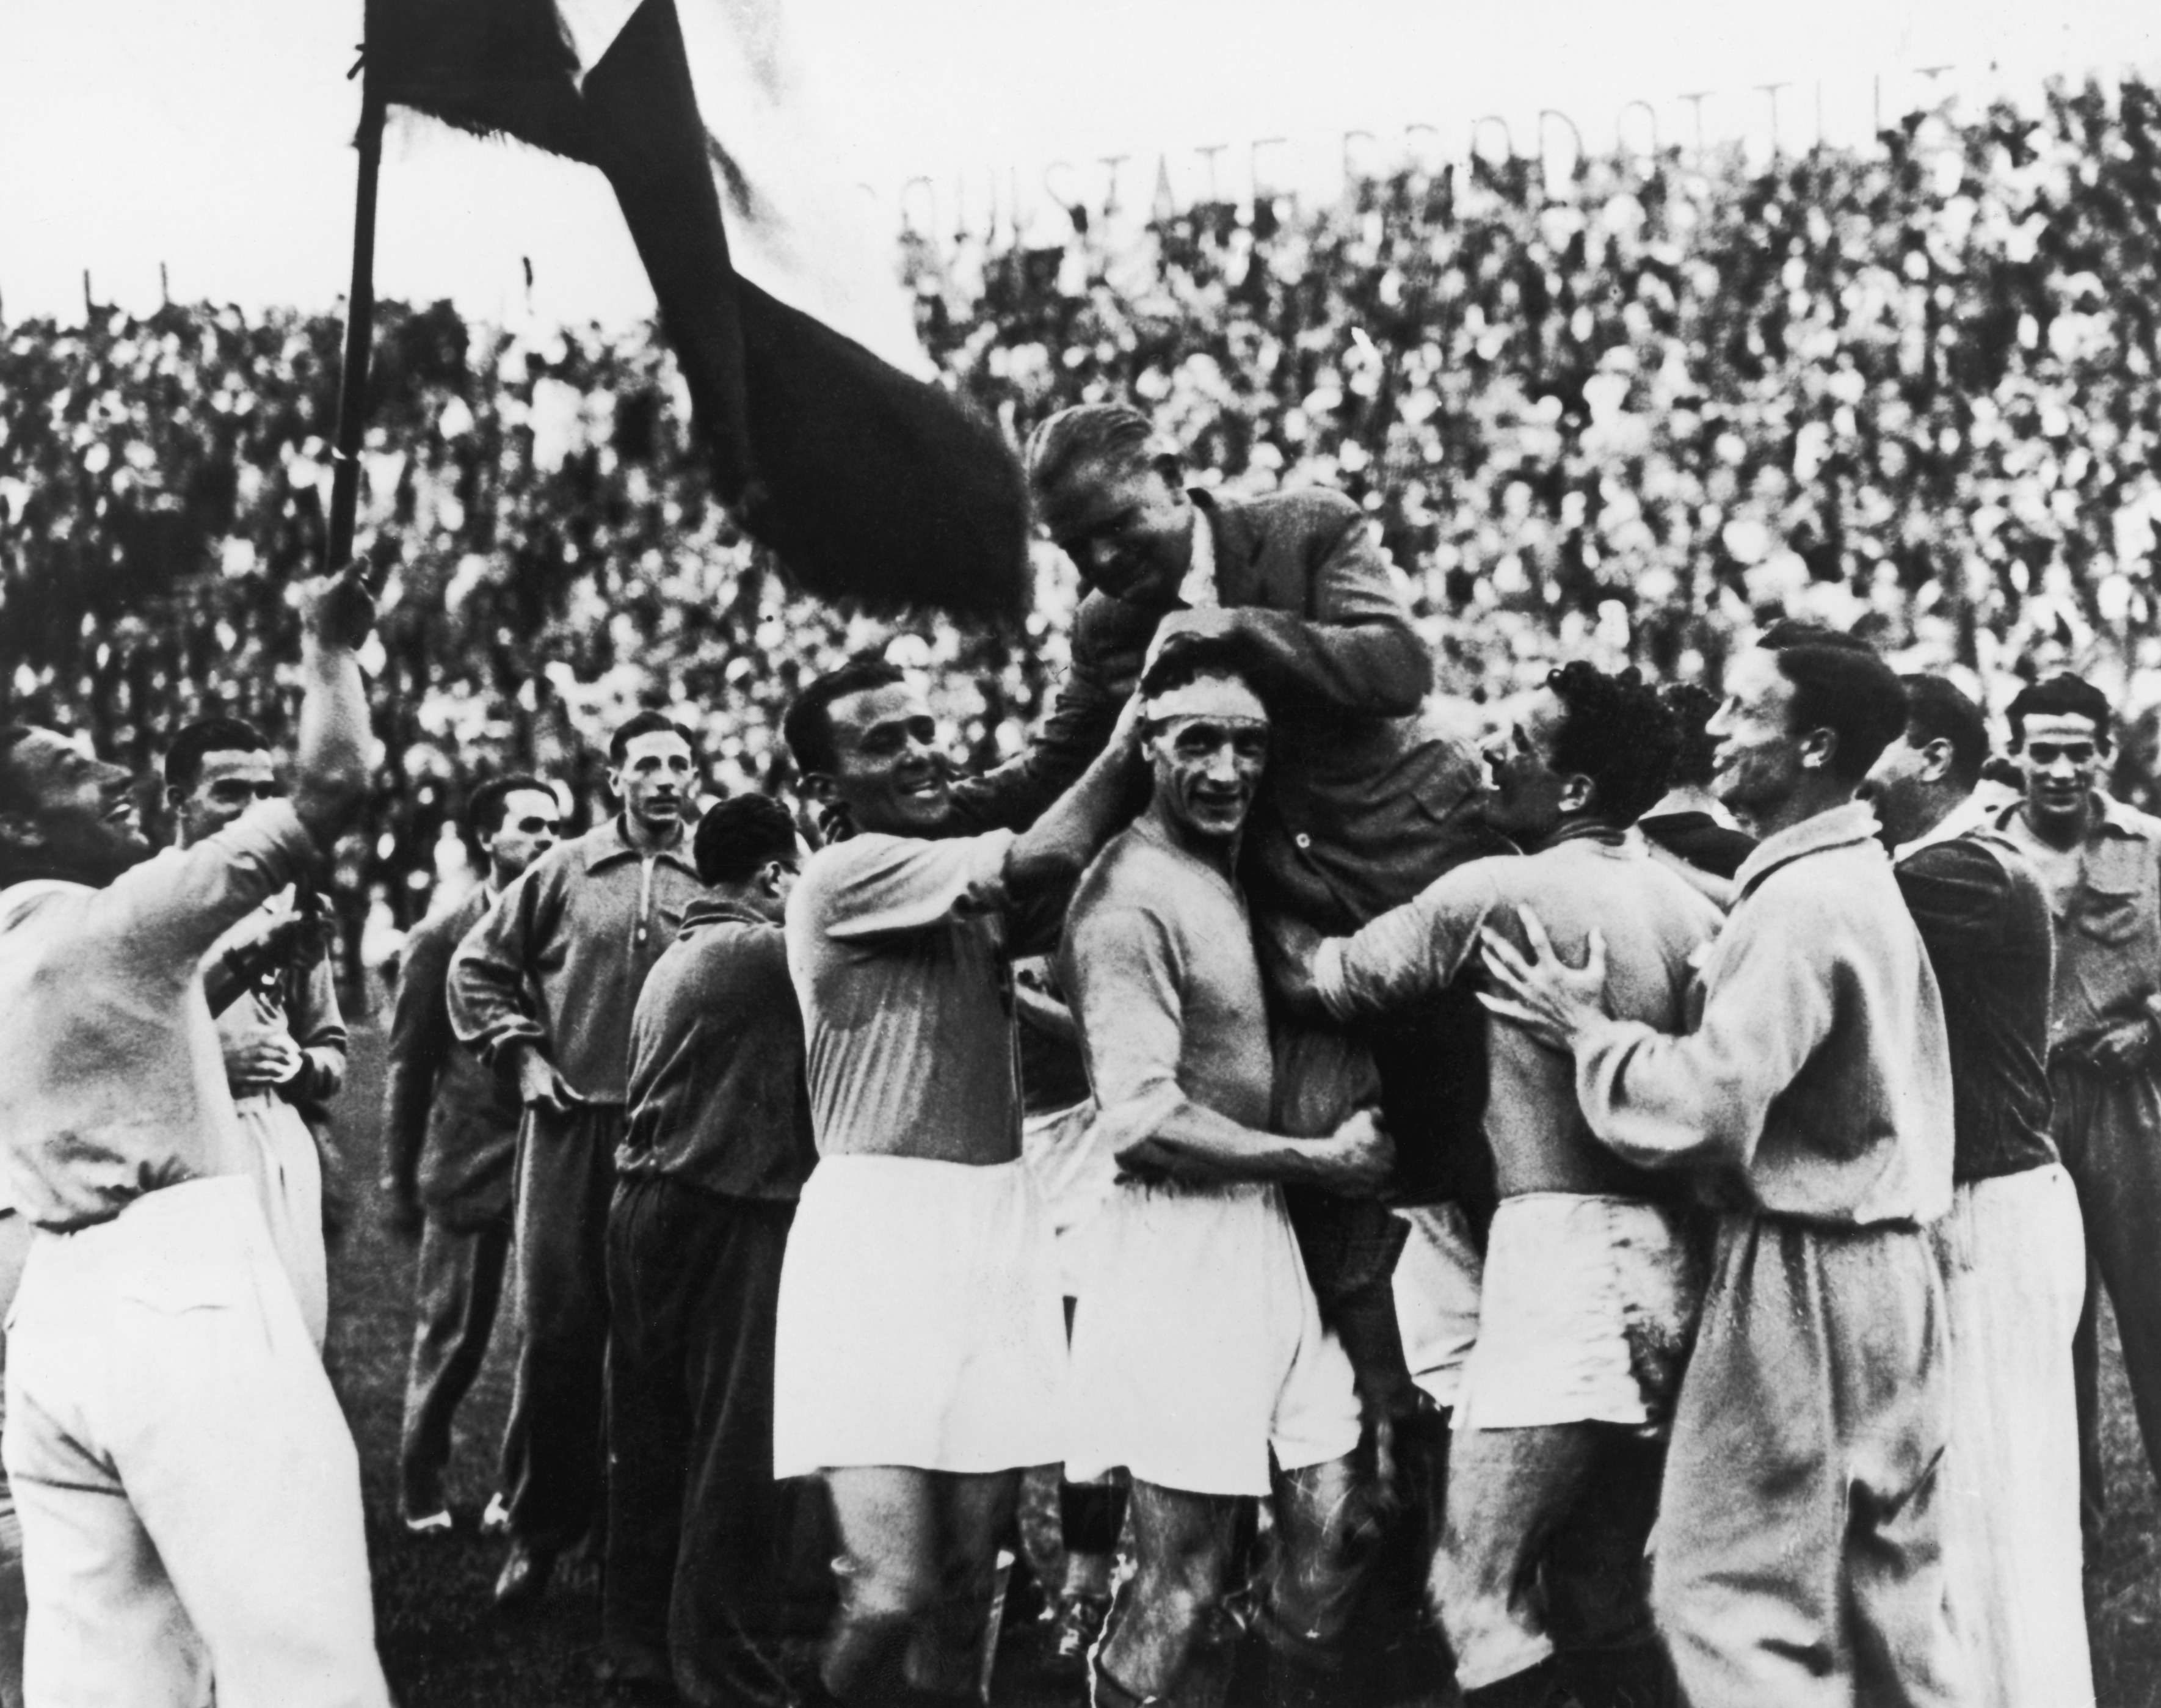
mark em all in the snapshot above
pixel 1082 854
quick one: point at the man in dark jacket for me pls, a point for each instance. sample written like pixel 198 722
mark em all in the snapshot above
pixel 449 1131
pixel 2012 1243
pixel 1691 823
pixel 718 1147
pixel 1364 805
pixel 1363 800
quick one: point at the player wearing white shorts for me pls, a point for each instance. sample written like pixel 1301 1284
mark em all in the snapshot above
pixel 921 1348
pixel 1590 1288
pixel 1199 1362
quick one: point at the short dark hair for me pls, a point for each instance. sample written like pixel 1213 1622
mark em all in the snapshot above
pixel 1084 433
pixel 739 835
pixel 808 726
pixel 2063 695
pixel 1841 685
pixel 1618 732
pixel 646 723
pixel 2003 772
pixel 1693 705
pixel 1792 632
pixel 1188 661
pixel 198 741
pixel 1936 711
pixel 16 794
pixel 486 805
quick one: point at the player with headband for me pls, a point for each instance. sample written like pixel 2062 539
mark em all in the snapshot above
pixel 1199 1359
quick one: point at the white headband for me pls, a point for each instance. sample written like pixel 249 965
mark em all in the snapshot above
pixel 1207 696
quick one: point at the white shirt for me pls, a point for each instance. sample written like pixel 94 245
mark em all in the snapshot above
pixel 112 1084
pixel 1198 589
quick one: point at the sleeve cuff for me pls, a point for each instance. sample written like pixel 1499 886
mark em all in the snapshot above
pixel 272 831
pixel 1120 1126
pixel 1328 980
pixel 985 892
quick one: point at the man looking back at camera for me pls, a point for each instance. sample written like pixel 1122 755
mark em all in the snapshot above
pixel 920 1343
pixel 1199 1360
pixel 450 1133
pixel 542 990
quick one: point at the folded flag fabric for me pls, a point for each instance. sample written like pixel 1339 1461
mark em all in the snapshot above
pixel 870 484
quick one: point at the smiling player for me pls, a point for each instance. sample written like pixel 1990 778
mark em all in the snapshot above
pixel 920 1343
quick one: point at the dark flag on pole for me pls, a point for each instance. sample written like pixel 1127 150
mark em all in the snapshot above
pixel 869 485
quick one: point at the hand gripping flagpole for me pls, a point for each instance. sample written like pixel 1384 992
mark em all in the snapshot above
pixel 359 323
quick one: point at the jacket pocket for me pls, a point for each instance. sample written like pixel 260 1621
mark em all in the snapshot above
pixel 2109 916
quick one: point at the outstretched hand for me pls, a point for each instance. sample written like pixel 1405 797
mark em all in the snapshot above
pixel 338 610
pixel 1549 999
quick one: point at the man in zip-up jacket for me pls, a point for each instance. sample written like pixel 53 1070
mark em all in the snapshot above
pixel 543 989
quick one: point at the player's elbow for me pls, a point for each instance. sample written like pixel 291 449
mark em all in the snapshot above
pixel 1038 863
pixel 1399 673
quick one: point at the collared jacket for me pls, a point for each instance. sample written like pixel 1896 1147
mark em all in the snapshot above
pixel 298 997
pixel 1362 804
pixel 1816 1080
pixel 450 1124
pixel 2108 927
pixel 560 959
pixel 718 1097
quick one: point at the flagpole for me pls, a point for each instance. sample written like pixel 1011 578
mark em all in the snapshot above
pixel 359 326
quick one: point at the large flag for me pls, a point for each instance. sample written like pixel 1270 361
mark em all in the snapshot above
pixel 869 484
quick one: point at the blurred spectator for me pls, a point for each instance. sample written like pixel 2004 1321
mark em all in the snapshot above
pixel 1624 414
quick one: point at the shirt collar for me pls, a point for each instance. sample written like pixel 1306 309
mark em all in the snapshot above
pixel 1841 827
pixel 1148 828
pixel 1596 832
pixel 714 910
pixel 1198 590
pixel 610 841
pixel 1967 816
pixel 2111 817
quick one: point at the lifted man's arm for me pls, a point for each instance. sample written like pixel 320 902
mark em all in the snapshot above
pixel 331 757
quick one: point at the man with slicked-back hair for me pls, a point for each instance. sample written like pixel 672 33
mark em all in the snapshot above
pixel 2101 863
pixel 542 990
pixel 449 1137
pixel 1798 1556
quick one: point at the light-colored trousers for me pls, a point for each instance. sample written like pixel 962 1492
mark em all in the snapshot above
pixel 2014 1259
pixel 189 1492
pixel 14 1248
pixel 1798 1558
pixel 288 1172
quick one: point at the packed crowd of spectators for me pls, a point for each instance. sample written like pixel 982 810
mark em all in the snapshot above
pixel 1911 391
